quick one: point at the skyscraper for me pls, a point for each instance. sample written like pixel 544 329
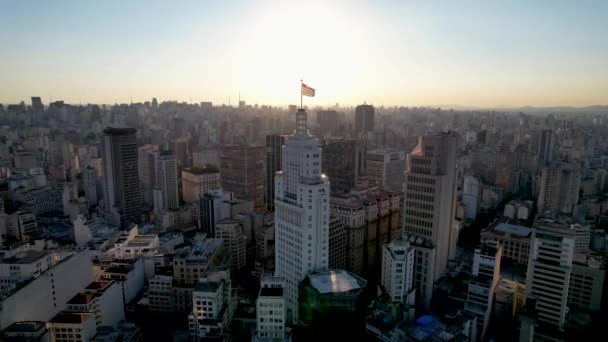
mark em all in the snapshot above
pixel 274 144
pixel 364 119
pixel 301 212
pixel 430 203
pixel 122 196
pixel 559 188
pixel 242 169
pixel 549 269
pixel 386 166
pixel 341 163
pixel 166 182
pixel 146 165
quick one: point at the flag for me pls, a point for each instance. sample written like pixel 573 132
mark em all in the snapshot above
pixel 307 91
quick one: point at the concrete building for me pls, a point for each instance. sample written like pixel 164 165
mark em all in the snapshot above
pixel 398 270
pixel 101 298
pixel 587 283
pixel 341 163
pixel 73 326
pixel 160 293
pixel 45 296
pixel 129 274
pixel 122 195
pixel 471 197
pixel 364 119
pixel 386 167
pixel 214 206
pixel 328 122
pixel 23 266
pixel 429 206
pixel 337 244
pixel 89 181
pixel 514 239
pixel 232 233
pixel 302 212
pixel 271 311
pixel 243 173
pixel 549 270
pixel 208 318
pixel 196 181
pixel 559 188
pixel 482 285
pixel 146 166
pixel 274 146
pixel 165 188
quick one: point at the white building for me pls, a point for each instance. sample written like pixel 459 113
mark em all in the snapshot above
pixel 429 206
pixel 101 298
pixel 301 212
pixel 24 266
pixel 208 317
pixel 398 270
pixel 73 326
pixel 45 296
pixel 271 311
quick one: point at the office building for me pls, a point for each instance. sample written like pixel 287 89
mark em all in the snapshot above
pixel 89 182
pixel 166 196
pixel 514 238
pixel 146 165
pixel 429 204
pixel 271 311
pixel 341 163
pixel 398 270
pixel 197 181
pixel 549 270
pixel 482 285
pixel 328 122
pixel 364 119
pixel 122 195
pixel 559 188
pixel 471 197
pixel 214 206
pixel 301 212
pixel 274 146
pixel 386 167
pixel 242 168
pixel 232 233
pixel 337 244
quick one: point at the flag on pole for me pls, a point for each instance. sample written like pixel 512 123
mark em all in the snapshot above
pixel 307 91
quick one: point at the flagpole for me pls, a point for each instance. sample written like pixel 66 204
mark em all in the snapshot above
pixel 301 106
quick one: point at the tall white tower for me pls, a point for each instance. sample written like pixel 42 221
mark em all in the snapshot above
pixel 301 212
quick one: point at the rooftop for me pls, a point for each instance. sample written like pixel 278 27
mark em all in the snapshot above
pixel 24 327
pixel 81 298
pixel 70 317
pixel 271 292
pixel 26 257
pixel 202 170
pixel 338 281
pixel 514 230
pixel 207 287
pixel 98 285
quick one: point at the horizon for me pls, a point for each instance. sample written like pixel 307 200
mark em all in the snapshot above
pixel 478 54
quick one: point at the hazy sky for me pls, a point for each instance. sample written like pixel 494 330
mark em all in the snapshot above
pixel 481 53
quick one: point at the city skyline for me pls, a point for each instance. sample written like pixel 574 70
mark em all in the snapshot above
pixel 476 54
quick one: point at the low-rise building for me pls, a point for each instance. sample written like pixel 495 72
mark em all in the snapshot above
pixel 73 326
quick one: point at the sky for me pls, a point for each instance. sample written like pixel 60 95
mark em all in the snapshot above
pixel 411 53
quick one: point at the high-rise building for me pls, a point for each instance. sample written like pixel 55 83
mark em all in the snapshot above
pixel 196 181
pixel 274 145
pixel 37 106
pixel 340 163
pixel 471 197
pixel 122 196
pixel 398 270
pixel 337 244
pixel 546 146
pixel 386 167
pixel 364 119
pixel 89 181
pixel 242 169
pixel 165 189
pixel 559 188
pixel 429 205
pixel 480 295
pixel 328 122
pixel 146 165
pixel 271 311
pixel 214 206
pixel 549 270
pixel 232 233
pixel 301 212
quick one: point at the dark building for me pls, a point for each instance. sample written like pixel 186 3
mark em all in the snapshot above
pixel 340 163
pixel 242 169
pixel 364 119
pixel 274 144
pixel 122 195
pixel 328 122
